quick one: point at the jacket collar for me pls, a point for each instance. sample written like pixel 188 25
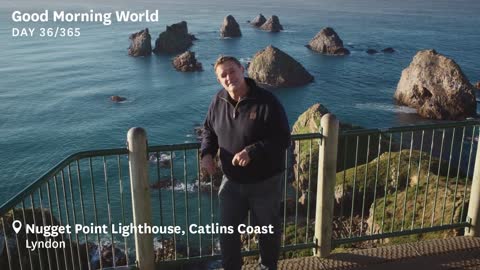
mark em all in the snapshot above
pixel 252 90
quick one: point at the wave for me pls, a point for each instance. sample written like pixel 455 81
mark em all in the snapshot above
pixel 190 187
pixel 385 107
pixel 245 60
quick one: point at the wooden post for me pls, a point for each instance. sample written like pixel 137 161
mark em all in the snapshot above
pixel 142 211
pixel 327 170
pixel 473 214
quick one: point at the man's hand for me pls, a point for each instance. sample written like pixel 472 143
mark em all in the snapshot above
pixel 207 164
pixel 241 158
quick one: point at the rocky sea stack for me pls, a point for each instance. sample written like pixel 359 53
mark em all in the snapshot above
pixel 328 42
pixel 230 28
pixel 175 39
pixel 187 62
pixel 140 44
pixel 258 21
pixel 272 24
pixel 273 67
pixel 436 86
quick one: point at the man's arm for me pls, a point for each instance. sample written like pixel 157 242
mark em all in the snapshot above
pixel 209 146
pixel 278 134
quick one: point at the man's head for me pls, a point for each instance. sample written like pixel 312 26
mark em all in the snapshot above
pixel 229 73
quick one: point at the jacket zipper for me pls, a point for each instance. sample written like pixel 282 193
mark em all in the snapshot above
pixel 236 106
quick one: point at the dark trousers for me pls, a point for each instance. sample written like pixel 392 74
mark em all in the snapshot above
pixel 263 199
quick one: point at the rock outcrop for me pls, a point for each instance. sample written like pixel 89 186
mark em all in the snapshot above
pixel 328 42
pixel 397 170
pixel 309 122
pixel 436 202
pixel 258 21
pixel 175 39
pixel 187 62
pixel 272 24
pixel 436 86
pixel 273 67
pixel 388 50
pixel 230 28
pixel 117 99
pixel 477 85
pixel 140 43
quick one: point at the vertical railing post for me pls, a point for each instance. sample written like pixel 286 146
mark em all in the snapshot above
pixel 473 214
pixel 327 170
pixel 142 211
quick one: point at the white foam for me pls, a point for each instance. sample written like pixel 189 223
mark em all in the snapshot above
pixel 385 107
pixel 179 186
pixel 245 60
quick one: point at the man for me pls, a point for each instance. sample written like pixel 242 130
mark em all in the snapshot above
pixel 249 126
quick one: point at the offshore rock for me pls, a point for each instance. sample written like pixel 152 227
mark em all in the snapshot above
pixel 328 42
pixel 140 44
pixel 175 39
pixel 117 98
pixel 272 24
pixel 436 86
pixel 372 51
pixel 273 67
pixel 258 21
pixel 388 50
pixel 230 28
pixel 187 62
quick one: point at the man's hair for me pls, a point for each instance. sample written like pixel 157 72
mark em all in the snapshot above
pixel 223 59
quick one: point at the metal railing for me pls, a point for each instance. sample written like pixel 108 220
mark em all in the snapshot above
pixel 385 183
pixel 404 181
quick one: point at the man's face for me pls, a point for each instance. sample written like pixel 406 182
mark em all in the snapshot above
pixel 230 76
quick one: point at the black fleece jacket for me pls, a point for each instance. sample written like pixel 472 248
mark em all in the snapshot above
pixel 257 123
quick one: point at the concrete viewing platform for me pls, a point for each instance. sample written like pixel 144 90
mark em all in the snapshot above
pixel 453 253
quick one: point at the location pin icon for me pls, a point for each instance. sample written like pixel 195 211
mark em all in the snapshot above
pixel 17 225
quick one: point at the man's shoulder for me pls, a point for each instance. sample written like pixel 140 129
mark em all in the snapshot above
pixel 261 92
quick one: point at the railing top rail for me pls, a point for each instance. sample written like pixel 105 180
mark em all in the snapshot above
pixel 465 123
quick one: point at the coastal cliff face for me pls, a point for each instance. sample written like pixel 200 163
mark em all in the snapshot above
pixel 186 62
pixel 175 39
pixel 230 28
pixel 305 168
pixel 140 44
pixel 436 86
pixel 273 67
pixel 328 42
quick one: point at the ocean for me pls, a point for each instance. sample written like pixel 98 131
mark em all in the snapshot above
pixel 55 92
